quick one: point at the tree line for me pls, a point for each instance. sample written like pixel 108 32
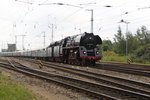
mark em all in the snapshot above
pixel 138 44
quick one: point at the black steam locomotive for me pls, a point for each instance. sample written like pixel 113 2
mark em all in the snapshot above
pixel 80 49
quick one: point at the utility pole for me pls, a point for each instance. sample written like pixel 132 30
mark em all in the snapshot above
pixel 16 39
pixel 80 30
pixel 52 27
pixel 126 22
pixel 91 19
pixel 44 39
pixel 126 39
pixel 23 41
pixel 60 4
pixel 52 31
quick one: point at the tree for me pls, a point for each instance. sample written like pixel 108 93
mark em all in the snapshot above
pixel 107 45
pixel 119 45
pixel 133 43
pixel 142 54
pixel 143 35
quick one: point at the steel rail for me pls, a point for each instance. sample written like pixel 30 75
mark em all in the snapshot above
pixel 124 70
pixel 130 66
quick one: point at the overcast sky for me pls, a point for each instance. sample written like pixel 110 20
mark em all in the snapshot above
pixel 27 17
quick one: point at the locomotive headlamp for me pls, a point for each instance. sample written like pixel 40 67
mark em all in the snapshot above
pixel 97 52
pixel 84 52
pixel 75 52
pixel 90 38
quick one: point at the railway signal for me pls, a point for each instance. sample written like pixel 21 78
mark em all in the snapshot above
pixel 129 61
pixel 41 64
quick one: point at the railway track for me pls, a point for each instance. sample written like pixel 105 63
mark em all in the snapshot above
pixel 58 79
pixel 129 70
pixel 126 86
pixel 132 66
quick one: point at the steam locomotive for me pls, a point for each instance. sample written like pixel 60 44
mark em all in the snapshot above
pixel 81 49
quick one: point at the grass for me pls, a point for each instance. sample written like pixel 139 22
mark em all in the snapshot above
pixel 10 90
pixel 110 56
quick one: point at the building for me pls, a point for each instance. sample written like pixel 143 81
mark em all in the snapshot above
pixel 11 47
pixel 4 50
